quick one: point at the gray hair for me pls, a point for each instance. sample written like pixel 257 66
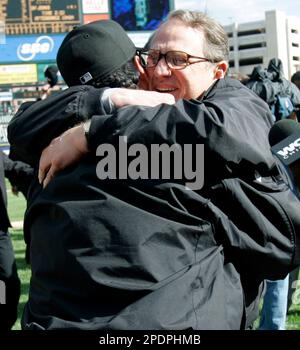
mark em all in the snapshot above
pixel 215 46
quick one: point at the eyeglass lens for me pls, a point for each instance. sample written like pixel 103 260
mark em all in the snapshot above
pixel 174 59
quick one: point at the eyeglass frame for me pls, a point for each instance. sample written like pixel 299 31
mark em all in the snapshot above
pixel 141 51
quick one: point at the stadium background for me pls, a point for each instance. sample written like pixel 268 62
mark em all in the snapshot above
pixel 31 32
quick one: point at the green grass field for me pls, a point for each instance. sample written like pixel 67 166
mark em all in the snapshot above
pixel 16 208
pixel 23 271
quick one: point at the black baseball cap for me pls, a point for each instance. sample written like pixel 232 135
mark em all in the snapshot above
pixel 92 51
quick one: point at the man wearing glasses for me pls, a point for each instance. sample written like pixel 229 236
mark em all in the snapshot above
pixel 186 259
pixel 175 61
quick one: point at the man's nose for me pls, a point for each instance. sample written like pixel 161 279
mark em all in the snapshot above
pixel 162 68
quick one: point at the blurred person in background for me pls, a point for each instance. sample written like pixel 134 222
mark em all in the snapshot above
pixel 20 176
pixel 51 75
pixel 9 280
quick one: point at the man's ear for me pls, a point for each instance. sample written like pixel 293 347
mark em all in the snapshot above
pixel 143 80
pixel 221 70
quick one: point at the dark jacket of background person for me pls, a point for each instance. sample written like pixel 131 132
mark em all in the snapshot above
pixel 4 222
pixel 150 254
pixel 267 83
pixel 18 173
pixel 8 272
pixel 20 176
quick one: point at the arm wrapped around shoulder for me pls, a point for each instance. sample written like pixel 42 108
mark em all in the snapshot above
pixel 36 125
pixel 262 224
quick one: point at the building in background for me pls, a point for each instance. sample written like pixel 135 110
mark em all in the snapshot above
pixel 35 29
pixel 255 43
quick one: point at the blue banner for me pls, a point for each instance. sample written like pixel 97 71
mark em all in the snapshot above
pixel 30 48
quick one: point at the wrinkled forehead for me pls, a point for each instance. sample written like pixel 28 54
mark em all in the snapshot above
pixel 176 35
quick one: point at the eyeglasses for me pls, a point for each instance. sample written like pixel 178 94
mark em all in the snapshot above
pixel 175 59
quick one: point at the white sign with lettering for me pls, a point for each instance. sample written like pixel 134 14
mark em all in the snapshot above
pixel 94 6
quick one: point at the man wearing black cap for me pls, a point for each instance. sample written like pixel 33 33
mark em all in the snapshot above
pixel 161 256
pixel 92 52
pixel 63 291
pixel 98 54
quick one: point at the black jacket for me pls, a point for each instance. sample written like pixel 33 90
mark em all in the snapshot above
pixel 18 173
pixel 8 269
pixel 4 220
pixel 115 254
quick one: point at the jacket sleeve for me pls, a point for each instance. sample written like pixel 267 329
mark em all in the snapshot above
pixel 18 173
pixel 36 124
pixel 233 130
pixel 255 229
pixel 258 225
